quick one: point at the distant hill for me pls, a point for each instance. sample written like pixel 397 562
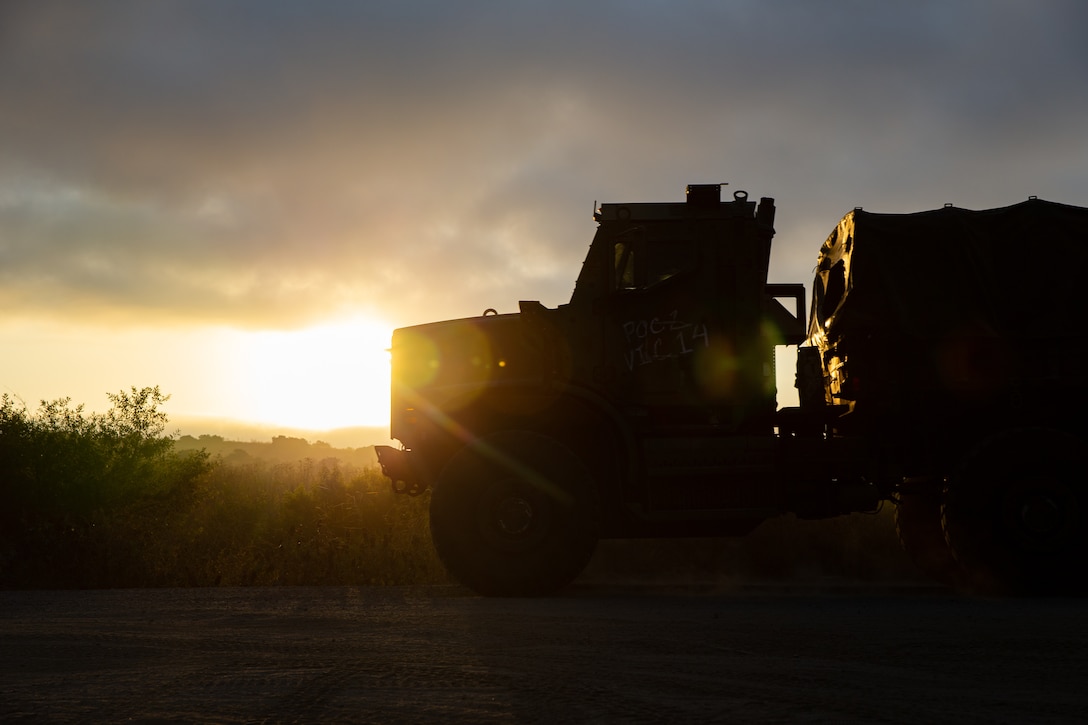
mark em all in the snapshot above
pixel 241 430
pixel 281 449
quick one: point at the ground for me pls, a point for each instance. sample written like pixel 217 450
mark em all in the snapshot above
pixel 600 652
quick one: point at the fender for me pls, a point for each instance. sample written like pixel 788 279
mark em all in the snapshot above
pixel 552 406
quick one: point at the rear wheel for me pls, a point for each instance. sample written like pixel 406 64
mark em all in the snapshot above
pixel 512 514
pixel 1014 514
pixel 918 525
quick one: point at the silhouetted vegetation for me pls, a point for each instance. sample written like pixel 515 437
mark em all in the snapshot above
pixel 111 500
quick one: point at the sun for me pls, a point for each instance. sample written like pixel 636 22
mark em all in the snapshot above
pixel 332 375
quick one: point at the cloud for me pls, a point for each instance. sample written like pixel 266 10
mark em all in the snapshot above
pixel 268 163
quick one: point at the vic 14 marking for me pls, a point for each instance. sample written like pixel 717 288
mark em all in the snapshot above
pixel 662 338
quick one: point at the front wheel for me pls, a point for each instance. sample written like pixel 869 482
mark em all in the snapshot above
pixel 512 514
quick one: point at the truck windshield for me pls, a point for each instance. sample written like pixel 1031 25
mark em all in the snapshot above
pixel 642 263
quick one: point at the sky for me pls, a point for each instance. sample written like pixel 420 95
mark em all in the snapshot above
pixel 238 201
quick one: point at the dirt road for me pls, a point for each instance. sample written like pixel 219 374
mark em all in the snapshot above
pixel 597 654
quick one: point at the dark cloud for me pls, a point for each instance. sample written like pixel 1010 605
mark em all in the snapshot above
pixel 269 162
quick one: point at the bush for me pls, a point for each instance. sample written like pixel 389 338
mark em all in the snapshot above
pixel 89 500
pixel 66 476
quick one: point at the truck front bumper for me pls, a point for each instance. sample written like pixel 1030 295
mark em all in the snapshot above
pixel 398 466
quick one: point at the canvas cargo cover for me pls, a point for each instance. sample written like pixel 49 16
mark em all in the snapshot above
pixel 1017 271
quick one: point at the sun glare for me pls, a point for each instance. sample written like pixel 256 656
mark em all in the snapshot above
pixel 328 376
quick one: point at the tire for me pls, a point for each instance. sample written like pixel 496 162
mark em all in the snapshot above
pixel 513 514
pixel 921 534
pixel 1014 515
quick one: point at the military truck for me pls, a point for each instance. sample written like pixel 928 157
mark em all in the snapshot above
pixel 938 371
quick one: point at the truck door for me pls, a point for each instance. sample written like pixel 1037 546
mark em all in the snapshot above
pixel 685 337
pixel 657 321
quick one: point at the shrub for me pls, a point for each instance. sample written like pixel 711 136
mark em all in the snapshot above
pixel 67 477
pixel 91 500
